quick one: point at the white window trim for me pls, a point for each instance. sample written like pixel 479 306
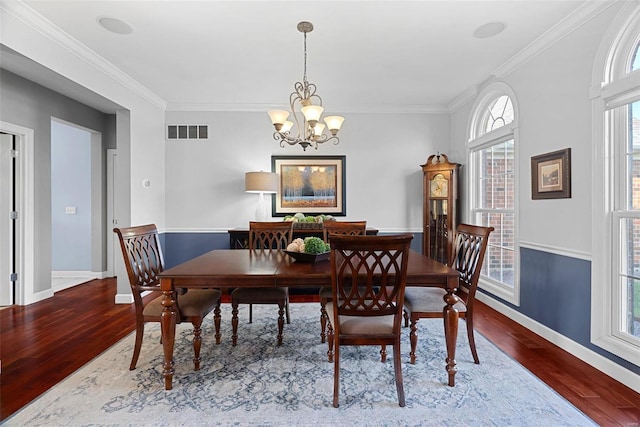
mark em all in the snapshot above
pixel 477 141
pixel 612 87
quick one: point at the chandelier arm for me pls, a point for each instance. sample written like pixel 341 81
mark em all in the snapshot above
pixel 295 96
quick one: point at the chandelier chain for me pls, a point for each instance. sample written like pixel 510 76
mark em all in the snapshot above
pixel 304 76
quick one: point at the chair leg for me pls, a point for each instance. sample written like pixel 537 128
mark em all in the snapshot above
pixel 281 306
pixel 406 318
pixel 197 343
pixel 472 341
pixel 287 310
pixel 397 366
pixel 250 313
pixel 216 321
pixel 336 374
pixel 137 345
pixel 413 337
pixel 330 339
pixel 323 320
pixel 383 353
pixel 234 323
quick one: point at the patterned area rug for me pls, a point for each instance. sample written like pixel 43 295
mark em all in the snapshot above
pixel 258 383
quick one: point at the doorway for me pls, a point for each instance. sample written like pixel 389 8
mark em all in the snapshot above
pixel 76 205
pixel 17 189
pixel 8 212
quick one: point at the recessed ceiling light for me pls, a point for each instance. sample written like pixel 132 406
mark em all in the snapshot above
pixel 489 30
pixel 115 25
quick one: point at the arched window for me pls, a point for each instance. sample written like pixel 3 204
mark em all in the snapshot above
pixel 492 181
pixel 615 311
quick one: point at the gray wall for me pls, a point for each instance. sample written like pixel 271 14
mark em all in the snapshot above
pixel 30 105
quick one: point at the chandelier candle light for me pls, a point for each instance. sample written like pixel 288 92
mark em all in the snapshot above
pixel 312 131
pixel 261 182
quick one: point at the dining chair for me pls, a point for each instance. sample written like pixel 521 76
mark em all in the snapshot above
pixel 264 236
pixel 348 228
pixel 470 244
pixel 368 276
pixel 144 261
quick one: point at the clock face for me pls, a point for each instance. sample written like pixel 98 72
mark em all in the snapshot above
pixel 439 186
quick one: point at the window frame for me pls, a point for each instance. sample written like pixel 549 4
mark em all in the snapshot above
pixel 614 88
pixel 479 140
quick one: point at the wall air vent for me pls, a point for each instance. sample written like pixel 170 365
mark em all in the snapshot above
pixel 187 132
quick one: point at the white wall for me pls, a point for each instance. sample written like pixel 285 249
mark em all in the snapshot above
pixel 552 91
pixel 205 179
pixel 143 153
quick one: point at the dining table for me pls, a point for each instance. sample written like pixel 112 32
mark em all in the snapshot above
pixel 233 268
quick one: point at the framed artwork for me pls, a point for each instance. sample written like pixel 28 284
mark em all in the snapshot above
pixel 311 185
pixel 551 175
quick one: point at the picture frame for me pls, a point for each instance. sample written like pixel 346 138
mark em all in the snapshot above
pixel 551 175
pixel 311 185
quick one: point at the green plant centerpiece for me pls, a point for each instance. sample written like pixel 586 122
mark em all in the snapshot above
pixel 309 245
pixel 309 249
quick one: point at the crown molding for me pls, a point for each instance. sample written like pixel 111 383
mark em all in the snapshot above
pixel 40 24
pixel 562 29
pixel 463 98
pixel 261 108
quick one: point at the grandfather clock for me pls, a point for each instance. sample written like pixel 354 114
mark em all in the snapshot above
pixel 440 208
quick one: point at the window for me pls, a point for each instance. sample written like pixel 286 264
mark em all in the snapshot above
pixel 615 311
pixel 629 225
pixel 492 157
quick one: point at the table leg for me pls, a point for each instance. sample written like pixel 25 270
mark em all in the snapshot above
pixel 451 333
pixel 168 326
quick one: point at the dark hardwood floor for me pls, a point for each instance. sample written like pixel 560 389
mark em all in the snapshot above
pixel 43 343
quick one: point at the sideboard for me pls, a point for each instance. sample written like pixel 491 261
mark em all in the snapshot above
pixel 239 237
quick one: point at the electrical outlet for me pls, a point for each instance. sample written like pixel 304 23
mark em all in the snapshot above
pixel 70 210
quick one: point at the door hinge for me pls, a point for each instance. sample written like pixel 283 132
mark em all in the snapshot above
pixel 14 153
pixel 14 215
pixel 14 277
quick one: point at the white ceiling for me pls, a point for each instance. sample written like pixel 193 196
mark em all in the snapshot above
pixel 362 55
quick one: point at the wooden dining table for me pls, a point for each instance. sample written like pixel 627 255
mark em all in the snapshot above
pixel 235 268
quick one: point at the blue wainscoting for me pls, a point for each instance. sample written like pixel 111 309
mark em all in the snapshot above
pixel 181 247
pixel 555 290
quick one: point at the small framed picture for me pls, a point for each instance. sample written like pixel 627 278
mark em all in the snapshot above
pixel 551 175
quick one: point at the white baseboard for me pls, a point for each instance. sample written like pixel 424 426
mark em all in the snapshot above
pixel 601 363
pixel 39 296
pixel 124 298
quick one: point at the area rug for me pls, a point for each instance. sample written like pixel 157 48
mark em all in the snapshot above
pixel 258 383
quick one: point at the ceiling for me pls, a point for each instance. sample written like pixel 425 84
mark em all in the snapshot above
pixel 362 55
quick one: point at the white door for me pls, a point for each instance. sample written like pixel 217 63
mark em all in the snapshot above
pixel 7 224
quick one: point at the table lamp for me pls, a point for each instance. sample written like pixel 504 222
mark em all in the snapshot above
pixel 261 182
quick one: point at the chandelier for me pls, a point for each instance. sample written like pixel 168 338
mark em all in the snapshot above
pixel 311 132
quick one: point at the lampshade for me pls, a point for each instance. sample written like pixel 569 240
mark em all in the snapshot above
pixel 334 123
pixel 312 113
pixel 278 116
pixel 261 182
